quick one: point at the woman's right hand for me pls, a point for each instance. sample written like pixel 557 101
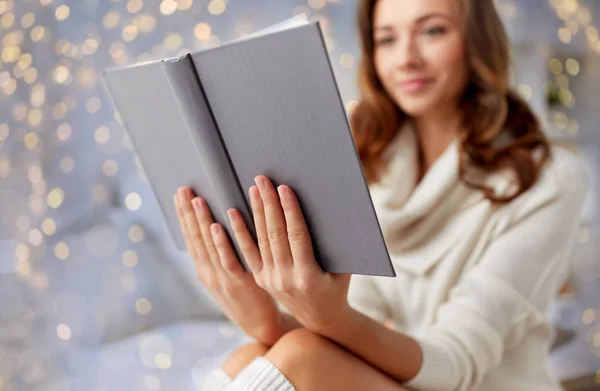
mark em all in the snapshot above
pixel 246 304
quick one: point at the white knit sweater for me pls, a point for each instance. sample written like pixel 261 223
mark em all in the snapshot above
pixel 474 282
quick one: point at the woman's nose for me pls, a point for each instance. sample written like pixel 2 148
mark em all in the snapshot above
pixel 408 54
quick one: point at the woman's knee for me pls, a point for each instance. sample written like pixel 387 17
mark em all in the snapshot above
pixel 303 356
pixel 312 362
pixel 242 356
pixel 300 344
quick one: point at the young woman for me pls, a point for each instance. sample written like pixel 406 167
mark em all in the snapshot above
pixel 478 210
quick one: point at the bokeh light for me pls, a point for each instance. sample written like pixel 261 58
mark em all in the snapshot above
pixel 62 12
pixel 63 331
pixel 217 7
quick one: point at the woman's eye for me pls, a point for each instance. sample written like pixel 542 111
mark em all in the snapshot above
pixel 384 41
pixel 433 31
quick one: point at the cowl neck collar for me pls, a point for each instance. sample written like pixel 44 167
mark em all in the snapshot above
pixel 420 221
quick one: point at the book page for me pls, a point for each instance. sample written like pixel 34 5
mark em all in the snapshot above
pixel 296 21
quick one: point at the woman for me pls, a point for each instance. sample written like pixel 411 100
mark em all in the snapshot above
pixel 478 211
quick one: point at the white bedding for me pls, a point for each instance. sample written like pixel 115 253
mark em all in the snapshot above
pixel 172 358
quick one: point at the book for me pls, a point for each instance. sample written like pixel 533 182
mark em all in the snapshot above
pixel 265 104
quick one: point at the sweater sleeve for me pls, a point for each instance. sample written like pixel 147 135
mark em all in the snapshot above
pixel 506 293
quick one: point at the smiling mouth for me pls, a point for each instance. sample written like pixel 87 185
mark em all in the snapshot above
pixel 414 85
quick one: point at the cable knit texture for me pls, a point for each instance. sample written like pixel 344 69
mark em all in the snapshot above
pixel 259 375
pixel 474 281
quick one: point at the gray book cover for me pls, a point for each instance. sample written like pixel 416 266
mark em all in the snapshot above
pixel 268 104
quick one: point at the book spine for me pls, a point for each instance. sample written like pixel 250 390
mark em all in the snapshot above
pixel 204 132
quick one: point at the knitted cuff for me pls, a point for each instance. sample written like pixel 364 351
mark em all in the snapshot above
pixel 261 375
pixel 436 373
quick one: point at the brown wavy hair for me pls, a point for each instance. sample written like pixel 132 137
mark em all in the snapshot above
pixel 501 131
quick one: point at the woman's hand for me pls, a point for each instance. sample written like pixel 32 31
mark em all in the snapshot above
pixel 220 271
pixel 286 266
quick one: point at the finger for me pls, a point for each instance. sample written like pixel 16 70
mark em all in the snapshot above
pixel 227 256
pixel 249 249
pixel 198 240
pixel 297 230
pixel 203 219
pixel 261 227
pixel 184 229
pixel 275 221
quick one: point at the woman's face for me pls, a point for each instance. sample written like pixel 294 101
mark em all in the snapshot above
pixel 419 53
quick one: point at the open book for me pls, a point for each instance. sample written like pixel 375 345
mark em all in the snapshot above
pixel 263 104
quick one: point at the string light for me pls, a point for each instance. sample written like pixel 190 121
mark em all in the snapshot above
pixel 134 6
pixel 102 135
pixel 216 7
pixel 350 105
pixel 202 31
pixel 347 60
pixel 55 197
pixel 48 227
pixel 168 7
pixel 35 174
pixel 589 316
pixel 136 234
pixel 173 41
pixel 64 132
pixel 22 252
pixel 61 250
pixel 144 22
pixel 20 112
pixel 63 331
pixel 67 164
pixel 27 20
pixel 130 32
pixel 110 168
pixel 317 4
pixel 133 201
pixel 564 35
pixel 143 306
pixel 93 104
pixel 130 258
pixel 22 223
pixel 525 91
pixel 62 12
pixel 183 5
pixel 572 66
pixel 111 20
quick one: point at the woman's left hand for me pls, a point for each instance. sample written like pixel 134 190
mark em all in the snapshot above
pixel 288 269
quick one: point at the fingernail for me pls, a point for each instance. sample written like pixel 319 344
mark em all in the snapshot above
pixel 260 182
pixel 252 193
pixel 183 193
pixel 231 214
pixel 281 191
pixel 215 229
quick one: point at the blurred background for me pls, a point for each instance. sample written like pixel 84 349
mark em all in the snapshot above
pixel 93 294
